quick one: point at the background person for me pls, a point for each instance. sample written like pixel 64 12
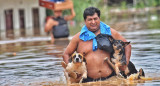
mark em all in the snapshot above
pixel 57 24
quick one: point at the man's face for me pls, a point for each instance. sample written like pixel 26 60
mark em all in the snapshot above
pixel 58 13
pixel 93 22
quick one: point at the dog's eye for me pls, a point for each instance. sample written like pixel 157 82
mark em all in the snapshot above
pixel 74 56
pixel 122 43
pixel 79 56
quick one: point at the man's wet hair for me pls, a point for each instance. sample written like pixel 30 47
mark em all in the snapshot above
pixel 90 11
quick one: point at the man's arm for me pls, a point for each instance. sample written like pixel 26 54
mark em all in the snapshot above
pixel 72 46
pixel 70 17
pixel 116 35
pixel 49 24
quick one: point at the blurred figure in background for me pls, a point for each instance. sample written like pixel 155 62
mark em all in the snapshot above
pixel 57 24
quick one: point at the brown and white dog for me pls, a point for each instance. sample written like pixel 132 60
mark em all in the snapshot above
pixel 75 71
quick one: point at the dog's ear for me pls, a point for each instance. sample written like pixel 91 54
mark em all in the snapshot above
pixel 110 39
pixel 126 43
pixel 84 60
pixel 141 72
pixel 64 65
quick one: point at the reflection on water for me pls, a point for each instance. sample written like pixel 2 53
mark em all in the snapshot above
pixel 35 61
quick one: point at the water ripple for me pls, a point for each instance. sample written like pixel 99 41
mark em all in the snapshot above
pixel 36 59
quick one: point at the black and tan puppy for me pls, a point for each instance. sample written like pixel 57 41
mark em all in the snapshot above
pixel 75 71
pixel 118 59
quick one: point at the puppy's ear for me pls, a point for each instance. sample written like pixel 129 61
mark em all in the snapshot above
pixel 84 60
pixel 110 39
pixel 126 43
pixel 70 60
pixel 141 72
pixel 64 65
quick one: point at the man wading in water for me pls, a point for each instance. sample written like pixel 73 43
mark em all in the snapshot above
pixel 58 24
pixel 85 42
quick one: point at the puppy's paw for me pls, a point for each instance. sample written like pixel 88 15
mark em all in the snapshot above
pixel 64 65
pixel 84 77
pixel 134 76
pixel 105 59
pixel 73 75
pixel 120 75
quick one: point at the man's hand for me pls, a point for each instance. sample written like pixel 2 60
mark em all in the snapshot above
pixel 50 23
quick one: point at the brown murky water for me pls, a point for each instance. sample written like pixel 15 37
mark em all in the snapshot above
pixel 36 62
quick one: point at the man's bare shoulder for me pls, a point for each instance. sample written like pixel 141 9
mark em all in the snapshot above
pixel 114 33
pixel 117 35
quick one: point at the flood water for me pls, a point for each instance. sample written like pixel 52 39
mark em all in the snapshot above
pixel 35 61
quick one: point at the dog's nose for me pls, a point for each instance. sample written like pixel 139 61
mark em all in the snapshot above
pixel 119 46
pixel 77 59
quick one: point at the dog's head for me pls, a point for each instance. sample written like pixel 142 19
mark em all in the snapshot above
pixel 119 48
pixel 77 58
pixel 118 44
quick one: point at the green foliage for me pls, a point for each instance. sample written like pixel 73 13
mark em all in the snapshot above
pixel 155 2
pixel 123 5
pixel 153 24
pixel 49 12
pixel 140 4
pixel 147 3
pixel 74 30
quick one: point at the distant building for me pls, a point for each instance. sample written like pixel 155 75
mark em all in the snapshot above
pixel 21 17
